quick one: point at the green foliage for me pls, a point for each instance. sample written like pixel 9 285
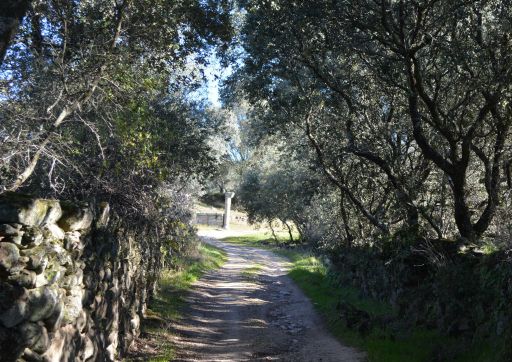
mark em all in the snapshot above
pixel 101 91
pixel 278 185
pixel 384 105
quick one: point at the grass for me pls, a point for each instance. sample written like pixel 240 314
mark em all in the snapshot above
pixel 419 345
pixel 259 239
pixel 168 303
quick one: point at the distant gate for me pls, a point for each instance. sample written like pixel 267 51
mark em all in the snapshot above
pixel 209 219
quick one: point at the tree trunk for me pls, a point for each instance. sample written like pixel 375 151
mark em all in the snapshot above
pixel 11 15
pixel 273 232
pixel 289 232
pixel 462 215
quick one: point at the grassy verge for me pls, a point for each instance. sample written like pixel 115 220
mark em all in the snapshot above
pixel 166 306
pixel 419 345
pixel 260 239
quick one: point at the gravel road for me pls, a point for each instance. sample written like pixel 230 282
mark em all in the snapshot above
pixel 233 315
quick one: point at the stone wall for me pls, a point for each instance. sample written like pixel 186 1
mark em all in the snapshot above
pixel 460 294
pixel 73 284
pixel 209 219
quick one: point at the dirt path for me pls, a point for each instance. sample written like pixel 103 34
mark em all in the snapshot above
pixel 233 316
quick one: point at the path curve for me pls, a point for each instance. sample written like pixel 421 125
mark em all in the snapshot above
pixel 233 317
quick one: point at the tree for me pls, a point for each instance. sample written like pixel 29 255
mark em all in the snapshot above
pixel 70 59
pixel 278 185
pixel 371 86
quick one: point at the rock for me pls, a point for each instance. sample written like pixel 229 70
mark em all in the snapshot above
pixel 72 306
pixel 15 239
pixel 72 241
pixel 111 351
pixel 41 281
pixel 75 217
pixel 26 210
pixel 37 259
pixel 9 294
pixel 44 252
pixel 10 230
pixel 31 356
pixel 89 349
pixel 24 278
pixel 69 281
pixel 56 232
pixel 33 237
pixel 9 255
pixel 41 303
pixel 11 233
pixel 54 212
pixel 60 345
pixel 54 273
pixel 108 275
pixel 81 321
pixel 15 315
pixel 17 268
pixel 54 321
pixel 34 336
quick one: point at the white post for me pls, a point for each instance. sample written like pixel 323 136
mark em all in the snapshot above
pixel 227 209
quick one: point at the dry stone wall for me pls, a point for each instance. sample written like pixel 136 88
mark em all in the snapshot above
pixel 73 284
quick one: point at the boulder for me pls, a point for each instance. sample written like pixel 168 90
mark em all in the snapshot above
pixel 75 217
pixel 31 356
pixel 26 210
pixel 56 232
pixel 9 255
pixel 37 259
pixel 11 233
pixel 10 229
pixel 25 278
pixel 41 281
pixel 41 303
pixel 73 305
pixel 54 321
pixel 34 336
pixel 72 241
pixel 16 314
